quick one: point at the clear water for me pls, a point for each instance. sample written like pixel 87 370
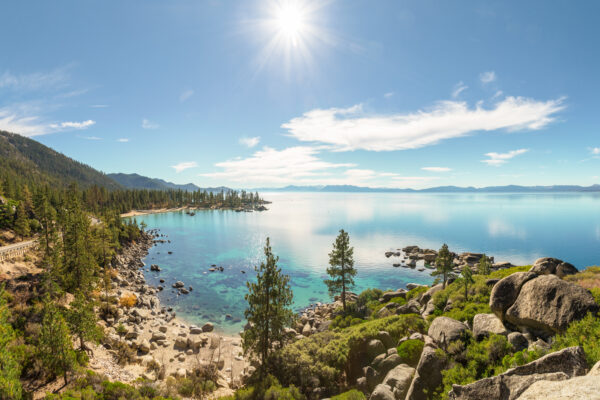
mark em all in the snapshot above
pixel 302 226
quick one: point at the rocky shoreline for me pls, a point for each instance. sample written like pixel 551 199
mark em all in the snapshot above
pixel 158 343
pixel 415 257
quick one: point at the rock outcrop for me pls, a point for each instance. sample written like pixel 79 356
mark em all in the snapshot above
pixel 444 330
pixel 558 366
pixel 486 324
pixel 580 387
pixel 505 292
pixel 398 379
pixel 549 304
pixel 428 376
pixel 554 266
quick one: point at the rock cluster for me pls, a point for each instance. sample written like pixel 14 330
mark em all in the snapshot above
pixel 538 301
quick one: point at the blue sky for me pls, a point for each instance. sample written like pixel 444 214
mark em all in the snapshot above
pixel 270 93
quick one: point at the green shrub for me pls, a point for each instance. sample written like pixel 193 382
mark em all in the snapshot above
pixel 341 322
pixel 414 293
pixel 584 333
pixel 325 355
pixel 350 395
pixel 410 351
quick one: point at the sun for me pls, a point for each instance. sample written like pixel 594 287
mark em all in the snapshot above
pixel 289 19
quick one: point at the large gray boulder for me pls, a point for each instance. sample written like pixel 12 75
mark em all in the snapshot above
pixel 387 296
pixel 428 295
pixel 549 304
pixel 388 363
pixel 505 292
pixel 444 330
pixel 579 387
pixel 398 379
pixel 382 392
pixel 428 376
pixel 548 265
pixel 518 341
pixel 558 366
pixel 487 324
pixel 374 348
pixel 412 307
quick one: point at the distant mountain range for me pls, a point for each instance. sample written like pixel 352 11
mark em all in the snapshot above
pixel 136 181
pixel 438 189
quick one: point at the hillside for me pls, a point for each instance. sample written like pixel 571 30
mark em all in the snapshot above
pixel 24 160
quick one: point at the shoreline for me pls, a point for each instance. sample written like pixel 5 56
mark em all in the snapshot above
pixel 157 335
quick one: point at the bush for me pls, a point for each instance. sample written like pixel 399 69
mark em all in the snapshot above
pixel 350 395
pixel 410 351
pixel 584 333
pixel 416 292
pixel 128 300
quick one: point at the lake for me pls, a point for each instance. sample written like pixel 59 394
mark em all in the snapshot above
pixel 302 226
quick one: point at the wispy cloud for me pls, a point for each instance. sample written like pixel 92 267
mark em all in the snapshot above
pixel 595 151
pixel 347 129
pixel 276 167
pixel 249 142
pixel 147 124
pixel 99 106
pixel 73 125
pixel 388 95
pixel 185 95
pixel 436 169
pixel 182 166
pixel 487 77
pixel 123 140
pixel 34 81
pixel 498 159
pixel 91 137
pixel 458 89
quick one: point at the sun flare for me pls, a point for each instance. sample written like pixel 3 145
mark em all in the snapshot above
pixel 290 20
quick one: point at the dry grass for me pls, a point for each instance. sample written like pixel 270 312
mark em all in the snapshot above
pixel 588 278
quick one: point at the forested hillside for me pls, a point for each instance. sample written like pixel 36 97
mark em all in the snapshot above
pixel 23 160
pixel 136 181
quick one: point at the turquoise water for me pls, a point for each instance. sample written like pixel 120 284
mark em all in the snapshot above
pixel 302 226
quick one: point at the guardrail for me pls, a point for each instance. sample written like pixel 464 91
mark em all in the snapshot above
pixel 15 250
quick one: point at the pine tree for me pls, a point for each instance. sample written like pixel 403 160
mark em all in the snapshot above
pixel 78 261
pixel 341 268
pixel 55 347
pixel 484 265
pixel 444 264
pixel 21 221
pixel 268 312
pixel 467 277
pixel 83 322
pixel 10 355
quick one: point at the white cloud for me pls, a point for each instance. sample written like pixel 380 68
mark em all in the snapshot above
pixel 347 129
pixel 73 125
pixel 91 137
pixel 595 151
pixel 497 159
pixel 99 106
pixel 186 94
pixel 487 77
pixel 147 124
pixel 182 166
pixel 497 94
pixel 26 121
pixel 388 95
pixel 123 140
pixel 297 165
pixel 436 169
pixel 458 89
pixel 249 142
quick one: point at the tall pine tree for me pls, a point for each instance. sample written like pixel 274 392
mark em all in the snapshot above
pixel 444 264
pixel 467 278
pixel 55 348
pixel 341 270
pixel 82 321
pixel 268 312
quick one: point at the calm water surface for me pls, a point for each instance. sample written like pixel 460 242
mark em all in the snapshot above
pixel 302 226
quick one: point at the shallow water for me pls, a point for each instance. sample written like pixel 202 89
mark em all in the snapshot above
pixel 302 227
